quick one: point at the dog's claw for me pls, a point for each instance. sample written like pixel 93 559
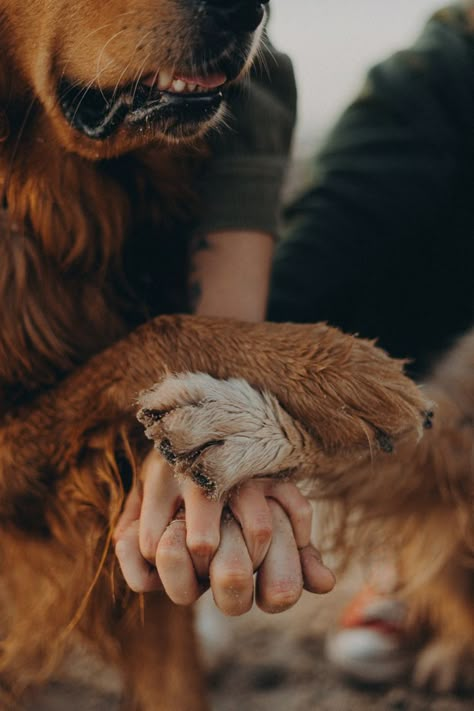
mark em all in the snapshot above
pixel 209 486
pixel 225 432
pixel 167 451
pixel 385 442
pixel 150 417
pixel 428 419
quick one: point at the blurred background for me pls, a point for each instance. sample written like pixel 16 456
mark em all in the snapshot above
pixel 332 43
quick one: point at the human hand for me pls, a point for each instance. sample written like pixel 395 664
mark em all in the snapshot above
pixel 172 537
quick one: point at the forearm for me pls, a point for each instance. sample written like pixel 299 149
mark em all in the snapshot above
pixel 240 195
pixel 230 274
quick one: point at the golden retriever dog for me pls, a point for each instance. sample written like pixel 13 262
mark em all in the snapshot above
pixel 104 109
pixel 419 504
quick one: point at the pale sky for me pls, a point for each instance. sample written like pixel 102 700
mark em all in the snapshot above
pixel 333 42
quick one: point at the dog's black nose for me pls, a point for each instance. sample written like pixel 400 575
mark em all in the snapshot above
pixel 236 15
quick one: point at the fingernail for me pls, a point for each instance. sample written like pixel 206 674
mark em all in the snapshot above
pixel 320 579
pixel 428 419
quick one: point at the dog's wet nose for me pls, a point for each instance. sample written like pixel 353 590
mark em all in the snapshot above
pixel 235 15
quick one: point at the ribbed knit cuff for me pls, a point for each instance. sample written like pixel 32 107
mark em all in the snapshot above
pixel 243 194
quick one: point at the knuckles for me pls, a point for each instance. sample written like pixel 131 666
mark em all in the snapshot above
pixel 261 534
pixel 281 596
pixel 202 547
pixel 148 546
pixel 234 581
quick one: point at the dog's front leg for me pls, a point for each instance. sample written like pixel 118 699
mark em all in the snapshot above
pixel 349 397
pixel 158 658
pixel 324 405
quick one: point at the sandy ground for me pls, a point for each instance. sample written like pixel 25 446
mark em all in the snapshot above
pixel 265 664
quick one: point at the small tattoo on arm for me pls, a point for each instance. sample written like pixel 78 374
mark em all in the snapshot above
pixel 199 243
pixel 195 295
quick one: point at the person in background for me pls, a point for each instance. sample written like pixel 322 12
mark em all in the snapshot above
pixel 382 244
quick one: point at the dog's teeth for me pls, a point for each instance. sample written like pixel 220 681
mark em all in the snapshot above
pixel 167 82
pixel 165 79
pixel 178 86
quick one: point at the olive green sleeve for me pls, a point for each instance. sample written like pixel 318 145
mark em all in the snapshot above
pixel 241 187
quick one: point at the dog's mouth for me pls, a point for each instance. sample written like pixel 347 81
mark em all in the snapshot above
pixel 177 101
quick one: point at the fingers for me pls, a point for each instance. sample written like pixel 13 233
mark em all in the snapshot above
pixel 183 551
pixel 161 499
pixel 162 495
pixel 231 571
pixel 140 576
pixel 250 508
pixel 298 508
pixel 175 565
pixel 317 578
pixel 280 579
pixel 203 524
pixel 130 513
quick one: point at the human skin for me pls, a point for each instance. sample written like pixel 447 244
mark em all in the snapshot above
pixel 266 526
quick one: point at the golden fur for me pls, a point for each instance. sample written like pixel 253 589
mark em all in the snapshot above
pixel 82 223
pixel 418 504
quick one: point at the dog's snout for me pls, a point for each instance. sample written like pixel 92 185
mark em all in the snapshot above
pixel 235 15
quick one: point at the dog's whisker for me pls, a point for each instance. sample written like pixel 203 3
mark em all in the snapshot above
pixel 96 31
pixel 102 51
pixel 136 80
pixel 132 56
pixel 65 93
pixel 262 61
pixel 82 97
pixel 139 76
pixel 153 81
pixel 119 80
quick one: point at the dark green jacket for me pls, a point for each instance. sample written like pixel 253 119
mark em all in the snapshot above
pixel 383 241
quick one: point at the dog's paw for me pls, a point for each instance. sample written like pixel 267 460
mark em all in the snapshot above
pixel 223 432
pixel 444 665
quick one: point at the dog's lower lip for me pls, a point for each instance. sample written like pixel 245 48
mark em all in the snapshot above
pixel 99 113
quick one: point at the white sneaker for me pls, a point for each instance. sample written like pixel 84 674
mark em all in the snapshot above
pixel 370 645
